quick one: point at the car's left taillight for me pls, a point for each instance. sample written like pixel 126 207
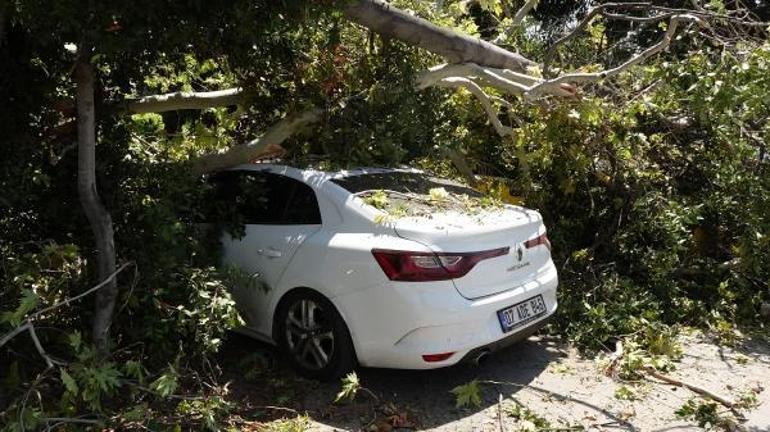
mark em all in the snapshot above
pixel 430 266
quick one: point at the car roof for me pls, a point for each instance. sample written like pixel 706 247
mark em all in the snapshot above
pixel 304 173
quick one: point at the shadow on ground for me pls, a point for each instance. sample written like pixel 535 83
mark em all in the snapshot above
pixel 424 395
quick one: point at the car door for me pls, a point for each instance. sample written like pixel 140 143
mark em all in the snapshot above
pixel 278 213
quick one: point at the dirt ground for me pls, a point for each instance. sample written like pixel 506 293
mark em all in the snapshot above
pixel 552 381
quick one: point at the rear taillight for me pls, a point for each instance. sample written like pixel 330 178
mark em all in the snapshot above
pixel 430 266
pixel 542 239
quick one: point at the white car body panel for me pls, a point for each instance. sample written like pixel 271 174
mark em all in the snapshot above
pixel 393 323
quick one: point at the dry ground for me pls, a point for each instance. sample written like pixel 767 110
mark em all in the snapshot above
pixel 553 381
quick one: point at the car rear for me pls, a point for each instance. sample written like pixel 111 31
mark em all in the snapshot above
pixel 464 281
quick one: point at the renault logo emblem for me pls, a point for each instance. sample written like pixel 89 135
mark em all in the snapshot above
pixel 519 253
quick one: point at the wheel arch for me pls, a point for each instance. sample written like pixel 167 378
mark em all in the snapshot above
pixel 282 300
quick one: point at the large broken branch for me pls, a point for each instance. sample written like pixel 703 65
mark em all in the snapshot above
pixel 246 153
pixel 456 47
pixel 185 100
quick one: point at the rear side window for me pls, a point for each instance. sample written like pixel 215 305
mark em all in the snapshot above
pixel 404 182
pixel 260 198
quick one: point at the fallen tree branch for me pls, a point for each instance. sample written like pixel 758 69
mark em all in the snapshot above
pixel 246 153
pixel 185 100
pixel 695 389
pixel 391 22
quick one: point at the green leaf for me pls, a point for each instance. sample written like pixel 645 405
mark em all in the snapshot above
pixel 167 383
pixel 27 302
pixel 467 394
pixel 350 386
pixel 69 382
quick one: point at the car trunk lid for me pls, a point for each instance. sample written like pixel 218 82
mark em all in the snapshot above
pixel 506 227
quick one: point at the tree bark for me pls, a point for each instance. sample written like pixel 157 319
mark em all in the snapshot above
pixel 98 217
pixel 389 21
pixel 245 153
pixel 183 101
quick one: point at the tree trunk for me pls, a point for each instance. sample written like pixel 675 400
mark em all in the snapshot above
pixel 389 21
pixel 98 217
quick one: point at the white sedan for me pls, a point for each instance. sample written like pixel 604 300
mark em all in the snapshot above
pixel 347 284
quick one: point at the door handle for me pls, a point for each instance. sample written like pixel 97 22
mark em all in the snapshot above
pixel 271 253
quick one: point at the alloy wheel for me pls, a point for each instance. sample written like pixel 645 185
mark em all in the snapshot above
pixel 309 334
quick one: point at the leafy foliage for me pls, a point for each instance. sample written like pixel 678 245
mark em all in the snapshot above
pixel 650 185
pixel 468 394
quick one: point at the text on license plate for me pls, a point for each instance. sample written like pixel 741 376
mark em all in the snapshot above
pixel 521 313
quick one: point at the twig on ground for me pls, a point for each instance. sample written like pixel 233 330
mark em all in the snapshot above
pixel 695 389
pixel 277 408
pixel 500 412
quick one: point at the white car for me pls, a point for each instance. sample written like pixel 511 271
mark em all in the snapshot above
pixel 348 286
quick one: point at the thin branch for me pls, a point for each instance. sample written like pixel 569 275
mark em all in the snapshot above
pixel 49 362
pixel 666 12
pixel 583 24
pixel 523 11
pixel 13 333
pixel 83 294
pixel 500 427
pixel 28 326
pixel 664 43
pixel 516 20
pixel 185 100
pixel 483 98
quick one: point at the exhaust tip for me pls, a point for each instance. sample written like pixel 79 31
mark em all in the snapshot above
pixel 481 357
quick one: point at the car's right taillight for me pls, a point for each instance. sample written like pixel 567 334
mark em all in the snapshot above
pixel 542 239
pixel 430 266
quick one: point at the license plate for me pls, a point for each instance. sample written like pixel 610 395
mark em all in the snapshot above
pixel 521 313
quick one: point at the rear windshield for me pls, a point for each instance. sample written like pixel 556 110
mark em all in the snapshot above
pixel 404 182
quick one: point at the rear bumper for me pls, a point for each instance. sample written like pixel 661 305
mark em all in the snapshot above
pixel 403 322
pixel 509 340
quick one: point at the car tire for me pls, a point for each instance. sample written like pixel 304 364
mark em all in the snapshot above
pixel 313 337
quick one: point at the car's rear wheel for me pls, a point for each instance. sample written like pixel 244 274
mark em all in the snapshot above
pixel 313 336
